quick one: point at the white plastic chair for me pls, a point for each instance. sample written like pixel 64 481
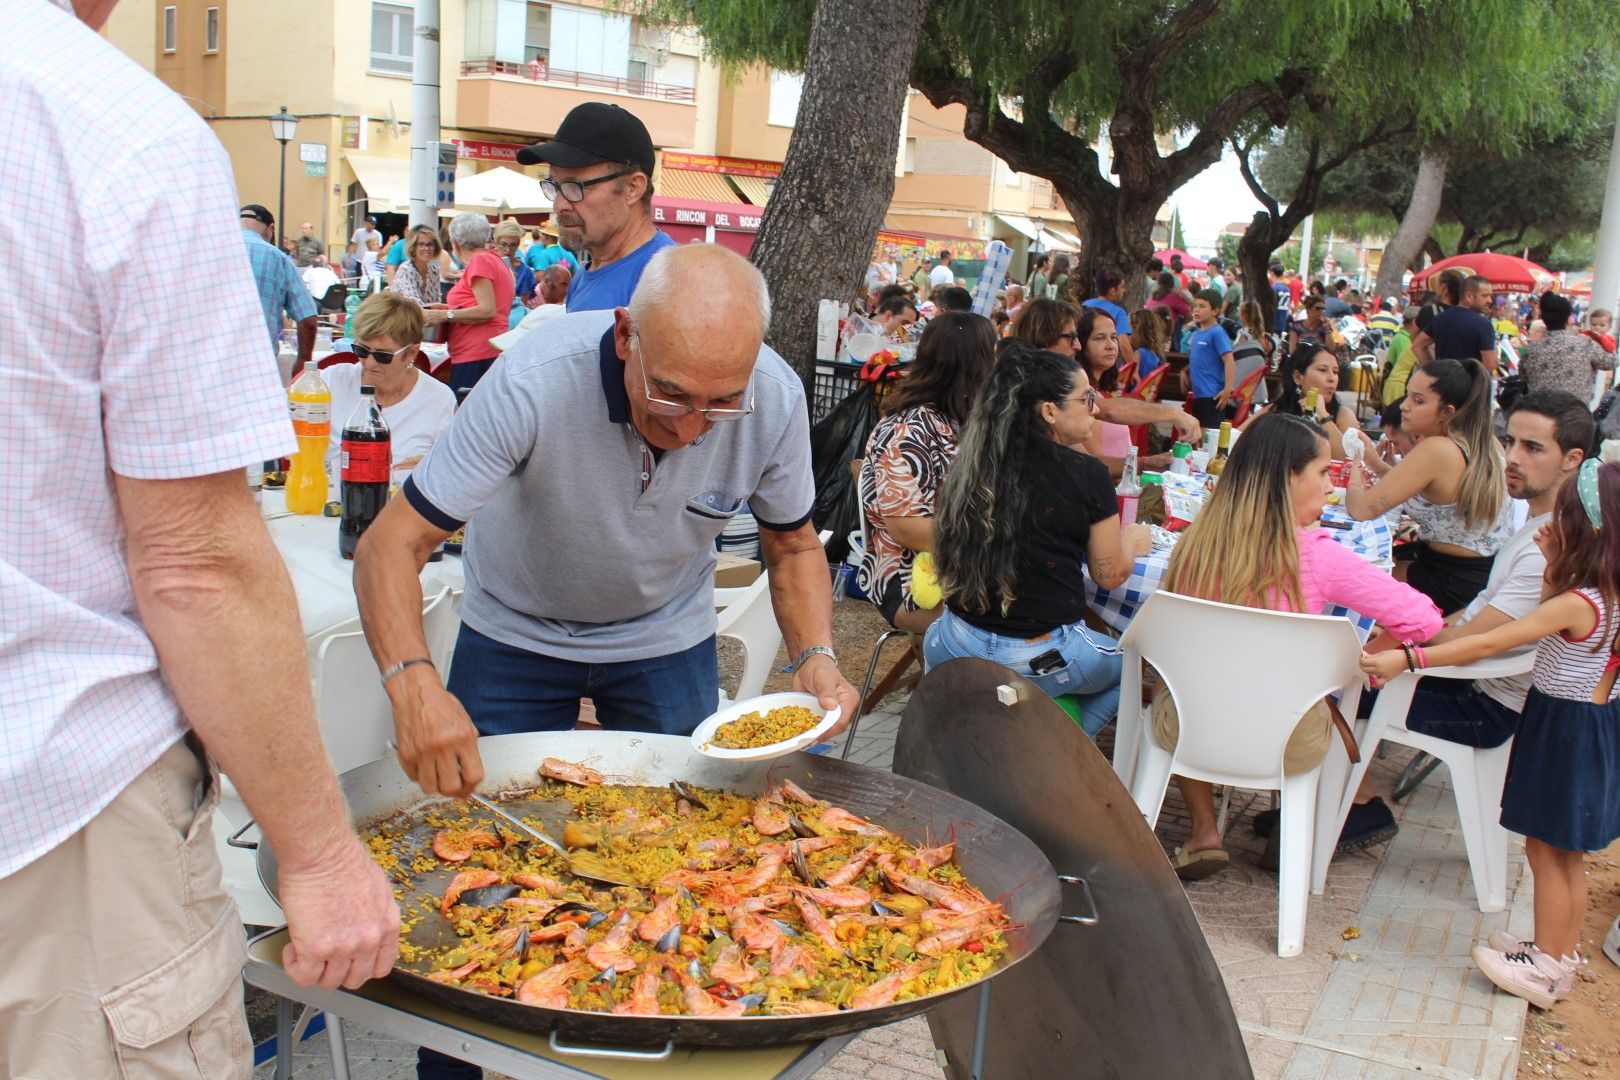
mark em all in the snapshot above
pixel 747 616
pixel 1234 726
pixel 1476 778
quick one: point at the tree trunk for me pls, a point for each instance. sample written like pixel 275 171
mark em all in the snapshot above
pixel 1408 240
pixel 816 237
pixel 1254 260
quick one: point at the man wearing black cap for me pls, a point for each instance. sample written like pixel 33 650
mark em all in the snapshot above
pixel 601 189
pixel 281 287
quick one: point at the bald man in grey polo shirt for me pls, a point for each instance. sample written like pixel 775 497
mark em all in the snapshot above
pixel 602 459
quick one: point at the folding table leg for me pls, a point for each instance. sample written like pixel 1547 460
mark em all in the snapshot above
pixel 335 1044
pixel 284 1039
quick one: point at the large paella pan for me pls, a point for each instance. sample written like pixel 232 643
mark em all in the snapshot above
pixel 998 861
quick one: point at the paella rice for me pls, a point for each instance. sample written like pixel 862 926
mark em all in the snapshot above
pixel 777 905
pixel 764 729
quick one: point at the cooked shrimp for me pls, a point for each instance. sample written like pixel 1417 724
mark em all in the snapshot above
pixel 456 845
pixel 569 772
pixel 802 1007
pixel 946 940
pixel 852 869
pixel 757 933
pixel 772 857
pixel 450 975
pixel 716 845
pixel 549 988
pixel 467 879
pixel 845 896
pixel 539 882
pixel 886 989
pixel 656 923
pixel 731 966
pixel 786 957
pixel 770 818
pixel 926 859
pixel 643 999
pixel 699 1002
pixel 933 891
pixel 529 907
pixel 787 789
pixel 817 923
pixel 613 951
pixel 836 817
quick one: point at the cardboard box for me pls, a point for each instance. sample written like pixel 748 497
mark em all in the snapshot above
pixel 734 571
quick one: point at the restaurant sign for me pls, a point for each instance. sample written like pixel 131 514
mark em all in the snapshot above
pixel 711 163
pixel 487 151
pixel 668 214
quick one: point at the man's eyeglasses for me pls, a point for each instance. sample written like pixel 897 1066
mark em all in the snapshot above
pixel 674 409
pixel 1074 337
pixel 382 356
pixel 574 190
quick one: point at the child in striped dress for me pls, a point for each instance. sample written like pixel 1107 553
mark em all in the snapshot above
pixel 1563 783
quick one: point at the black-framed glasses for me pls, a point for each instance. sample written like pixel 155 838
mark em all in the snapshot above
pixel 1089 399
pixel 674 409
pixel 382 356
pixel 574 190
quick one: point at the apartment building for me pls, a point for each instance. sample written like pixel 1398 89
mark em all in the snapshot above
pixel 509 71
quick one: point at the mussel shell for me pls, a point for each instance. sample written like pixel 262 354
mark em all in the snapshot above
pixel 593 916
pixel 684 792
pixel 799 827
pixel 488 895
pixel 607 976
pixel 751 1001
pixel 671 938
pixel 800 867
pixel 879 908
pixel 785 928
pixel 695 970
pixel 522 947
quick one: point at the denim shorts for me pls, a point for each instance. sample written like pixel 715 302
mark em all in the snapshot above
pixel 1091 662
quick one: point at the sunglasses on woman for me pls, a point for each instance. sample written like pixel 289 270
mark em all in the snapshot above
pixel 382 356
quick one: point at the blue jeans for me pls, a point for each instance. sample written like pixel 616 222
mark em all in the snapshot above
pixel 1091 669
pixel 465 376
pixel 1454 710
pixel 506 689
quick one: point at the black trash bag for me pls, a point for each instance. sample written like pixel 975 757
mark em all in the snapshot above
pixel 836 440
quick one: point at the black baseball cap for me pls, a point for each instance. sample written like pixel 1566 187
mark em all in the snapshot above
pixel 591 133
pixel 258 213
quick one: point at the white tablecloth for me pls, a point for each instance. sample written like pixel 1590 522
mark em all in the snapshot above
pixel 323 579
pixel 1372 540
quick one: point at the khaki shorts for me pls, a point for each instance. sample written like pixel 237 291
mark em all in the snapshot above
pixel 123 953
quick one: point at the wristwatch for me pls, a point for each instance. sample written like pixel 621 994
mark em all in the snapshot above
pixel 450 315
pixel 815 650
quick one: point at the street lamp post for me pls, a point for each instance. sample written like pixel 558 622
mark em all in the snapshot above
pixel 284 127
pixel 1036 249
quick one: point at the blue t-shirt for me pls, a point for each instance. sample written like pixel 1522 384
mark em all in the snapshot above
pixel 1122 321
pixel 523 281
pixel 540 256
pixel 396 252
pixel 1204 351
pixel 1146 361
pixel 611 286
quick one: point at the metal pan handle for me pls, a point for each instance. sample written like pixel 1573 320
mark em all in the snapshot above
pixel 613 1052
pixel 235 839
pixel 1090 918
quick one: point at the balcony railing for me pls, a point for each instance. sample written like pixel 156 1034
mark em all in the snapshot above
pixel 536 71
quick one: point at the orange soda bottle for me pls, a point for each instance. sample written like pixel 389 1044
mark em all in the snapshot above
pixel 310 400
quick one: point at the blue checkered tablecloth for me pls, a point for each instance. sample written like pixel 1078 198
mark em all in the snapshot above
pixel 1372 540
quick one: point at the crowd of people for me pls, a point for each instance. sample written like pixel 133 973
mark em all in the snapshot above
pixel 993 469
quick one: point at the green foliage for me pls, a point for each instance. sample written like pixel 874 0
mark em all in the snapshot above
pixel 1177 238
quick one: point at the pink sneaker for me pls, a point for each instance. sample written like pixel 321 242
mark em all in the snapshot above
pixel 1527 973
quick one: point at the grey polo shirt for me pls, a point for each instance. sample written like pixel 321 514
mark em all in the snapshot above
pixel 585 547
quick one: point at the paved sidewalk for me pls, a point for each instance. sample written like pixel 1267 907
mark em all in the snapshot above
pixel 1384 989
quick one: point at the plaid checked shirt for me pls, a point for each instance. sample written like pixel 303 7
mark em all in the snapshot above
pixel 281 287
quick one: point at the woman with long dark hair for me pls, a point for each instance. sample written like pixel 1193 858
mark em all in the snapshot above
pixel 909 453
pixel 1020 505
pixel 1271 494
pixel 1098 345
pixel 1452 483
pixel 1311 367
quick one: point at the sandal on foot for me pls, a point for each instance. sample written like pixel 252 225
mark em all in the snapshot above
pixel 1198 865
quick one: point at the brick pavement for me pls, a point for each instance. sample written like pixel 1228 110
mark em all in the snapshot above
pixel 1401 1000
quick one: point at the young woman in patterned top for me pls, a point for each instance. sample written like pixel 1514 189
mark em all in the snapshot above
pixel 908 454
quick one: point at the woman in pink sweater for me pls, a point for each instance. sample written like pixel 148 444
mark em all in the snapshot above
pixel 1256 543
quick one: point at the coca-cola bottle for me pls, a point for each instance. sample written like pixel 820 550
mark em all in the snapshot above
pixel 366 460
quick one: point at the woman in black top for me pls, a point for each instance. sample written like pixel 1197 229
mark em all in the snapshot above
pixel 1018 512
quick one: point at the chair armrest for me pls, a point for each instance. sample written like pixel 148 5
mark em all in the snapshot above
pixel 1495 667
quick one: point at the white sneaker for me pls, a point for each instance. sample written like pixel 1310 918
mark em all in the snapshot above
pixel 1503 942
pixel 1530 974
pixel 1611 943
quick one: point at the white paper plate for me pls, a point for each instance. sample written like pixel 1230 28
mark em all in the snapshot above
pixel 705 731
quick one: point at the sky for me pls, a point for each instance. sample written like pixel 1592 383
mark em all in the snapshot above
pixel 1211 200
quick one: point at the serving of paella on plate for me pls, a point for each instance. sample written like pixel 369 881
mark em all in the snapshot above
pixel 778 905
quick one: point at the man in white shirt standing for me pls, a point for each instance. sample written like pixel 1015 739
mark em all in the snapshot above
pixel 942 274
pixel 153 630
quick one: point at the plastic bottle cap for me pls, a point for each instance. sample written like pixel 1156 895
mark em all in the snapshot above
pixel 1152 478
pixel 1183 449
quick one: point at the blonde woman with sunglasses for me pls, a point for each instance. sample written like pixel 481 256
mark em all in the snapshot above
pixel 387 339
